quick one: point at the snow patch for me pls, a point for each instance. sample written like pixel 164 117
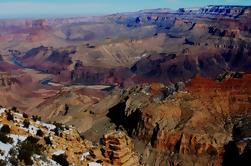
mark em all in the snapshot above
pixel 5 148
pixel 94 164
pixel 59 152
pixel 18 118
pixel 84 155
pixel 48 126
pixel 17 138
pixel 2 110
pixel 47 162
pixel 247 139
pixel 32 129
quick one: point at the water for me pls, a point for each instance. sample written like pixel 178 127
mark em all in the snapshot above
pixel 109 89
pixel 15 62
pixel 45 82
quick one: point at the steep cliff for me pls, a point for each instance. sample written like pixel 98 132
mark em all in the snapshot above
pixel 192 125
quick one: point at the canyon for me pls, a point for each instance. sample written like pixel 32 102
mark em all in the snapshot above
pixel 153 87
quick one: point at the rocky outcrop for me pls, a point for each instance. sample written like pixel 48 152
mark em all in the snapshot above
pixel 192 125
pixel 238 150
pixel 35 142
pixel 119 149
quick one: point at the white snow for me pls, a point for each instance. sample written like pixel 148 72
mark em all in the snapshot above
pixel 144 55
pixel 68 131
pixel 18 117
pixel 2 110
pixel 50 162
pixel 5 148
pixel 83 157
pixel 94 164
pixel 59 152
pixel 17 138
pixel 247 138
pixel 47 162
pixel 48 126
pixel 32 129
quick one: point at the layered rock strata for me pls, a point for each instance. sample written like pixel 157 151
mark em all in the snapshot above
pixel 118 149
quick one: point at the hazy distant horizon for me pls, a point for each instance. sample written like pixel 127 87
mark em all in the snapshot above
pixel 15 9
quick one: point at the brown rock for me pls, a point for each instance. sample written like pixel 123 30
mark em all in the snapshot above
pixel 118 149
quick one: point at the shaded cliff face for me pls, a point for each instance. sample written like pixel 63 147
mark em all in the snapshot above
pixel 46 59
pixel 208 63
pixel 192 125
pixel 238 151
pixel 99 75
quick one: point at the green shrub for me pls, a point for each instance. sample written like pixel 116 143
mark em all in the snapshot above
pixel 25 115
pixel 59 128
pixel 66 108
pixel 32 139
pixel 27 149
pixel 99 161
pixel 26 123
pixel 67 127
pixel 57 132
pixel 13 157
pixel 61 159
pixel 5 139
pixel 47 140
pixel 59 125
pixel 40 133
pixel 36 118
pixel 10 116
pixel 1 152
pixel 5 129
pixel 14 109
pixel 3 163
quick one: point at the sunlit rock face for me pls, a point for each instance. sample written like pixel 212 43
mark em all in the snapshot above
pixel 193 124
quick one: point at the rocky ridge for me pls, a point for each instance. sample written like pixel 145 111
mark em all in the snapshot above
pixel 116 150
pixel 188 126
pixel 30 141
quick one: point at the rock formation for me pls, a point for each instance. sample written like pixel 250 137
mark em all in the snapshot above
pixel 192 125
pixel 118 149
pixel 32 141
